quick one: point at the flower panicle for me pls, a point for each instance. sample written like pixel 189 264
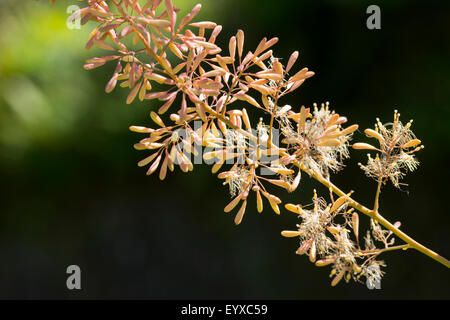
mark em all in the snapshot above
pixel 207 96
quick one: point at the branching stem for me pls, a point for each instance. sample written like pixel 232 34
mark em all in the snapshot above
pixel 376 216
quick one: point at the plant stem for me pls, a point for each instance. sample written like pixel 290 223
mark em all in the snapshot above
pixel 376 216
pixel 377 196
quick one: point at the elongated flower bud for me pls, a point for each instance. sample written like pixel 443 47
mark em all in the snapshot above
pixel 324 262
pixel 339 202
pixel 411 143
pixel 141 129
pixel 233 203
pixel 363 146
pixel 240 42
pixel 259 202
pixel 156 119
pixel 293 208
pixel 329 143
pixel 296 181
pixel 154 166
pixel 273 200
pixel 304 247
pixel 240 214
pixel 292 60
pixel 349 129
pixel 312 252
pixel 355 224
pixel 147 160
pixel 290 234
pixel 338 278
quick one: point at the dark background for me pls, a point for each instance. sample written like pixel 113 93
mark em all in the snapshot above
pixel 71 192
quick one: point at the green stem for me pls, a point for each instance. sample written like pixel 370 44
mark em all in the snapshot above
pixel 376 216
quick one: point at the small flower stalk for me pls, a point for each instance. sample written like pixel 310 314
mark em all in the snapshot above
pixel 206 95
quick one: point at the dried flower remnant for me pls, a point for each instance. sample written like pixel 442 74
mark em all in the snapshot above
pixel 373 273
pixel 312 230
pixel 397 145
pixel 202 89
pixel 328 242
pixel 319 143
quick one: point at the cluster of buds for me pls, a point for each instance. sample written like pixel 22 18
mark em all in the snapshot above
pixel 205 85
pixel 319 143
pixel 179 64
pixel 397 145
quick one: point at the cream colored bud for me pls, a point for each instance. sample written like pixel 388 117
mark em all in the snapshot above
pixel 329 143
pixel 338 278
pixel 259 202
pixel 324 262
pixel 363 146
pixel 293 208
pixel 141 129
pixel 374 134
pixel 349 129
pixel 233 203
pixel 240 214
pixel 156 119
pixel 339 202
pixel 412 143
pixel 291 234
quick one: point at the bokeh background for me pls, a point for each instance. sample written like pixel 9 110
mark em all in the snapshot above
pixel 71 192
